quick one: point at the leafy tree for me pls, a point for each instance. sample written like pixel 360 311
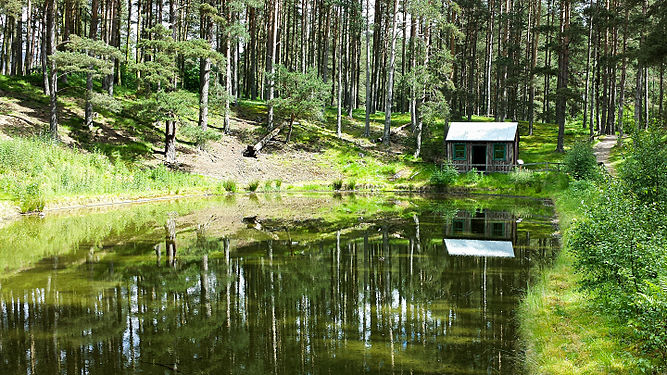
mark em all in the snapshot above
pixel 301 96
pixel 645 169
pixel 90 57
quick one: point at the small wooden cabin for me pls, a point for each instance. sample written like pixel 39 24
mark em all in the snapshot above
pixel 485 146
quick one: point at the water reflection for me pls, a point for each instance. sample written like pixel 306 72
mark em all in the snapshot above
pixel 380 295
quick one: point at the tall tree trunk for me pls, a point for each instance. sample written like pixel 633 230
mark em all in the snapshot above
pixel 89 77
pixel 367 123
pixel 533 65
pixel 205 72
pixel 170 142
pixel 563 66
pixel 339 115
pixel 489 56
pixel 588 64
pixel 51 9
pixel 621 93
pixel 271 59
pixel 390 77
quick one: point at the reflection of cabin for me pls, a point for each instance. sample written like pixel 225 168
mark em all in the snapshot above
pixel 483 225
pixel 481 233
pixel 485 146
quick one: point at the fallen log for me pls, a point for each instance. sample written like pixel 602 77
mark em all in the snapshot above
pixel 253 150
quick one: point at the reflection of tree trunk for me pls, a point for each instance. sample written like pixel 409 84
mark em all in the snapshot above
pixel 203 276
pixel 170 241
pixel 158 254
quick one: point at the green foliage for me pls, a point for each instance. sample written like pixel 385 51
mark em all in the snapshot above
pixel 253 185
pixel 301 96
pixel 33 171
pixel 620 252
pixel 84 55
pixel 199 136
pixel 650 320
pixel 278 183
pixel 337 184
pixel 230 186
pixel 580 162
pixel 351 185
pixel 522 178
pixel 31 199
pixel 645 168
pixel 179 106
pixel 445 176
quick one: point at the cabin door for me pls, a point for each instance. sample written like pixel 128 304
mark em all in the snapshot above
pixel 479 157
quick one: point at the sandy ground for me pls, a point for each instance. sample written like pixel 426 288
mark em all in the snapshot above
pixel 224 159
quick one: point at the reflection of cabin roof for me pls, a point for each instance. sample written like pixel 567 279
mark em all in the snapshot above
pixel 476 248
pixel 482 131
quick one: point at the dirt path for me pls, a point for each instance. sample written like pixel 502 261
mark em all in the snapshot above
pixel 602 151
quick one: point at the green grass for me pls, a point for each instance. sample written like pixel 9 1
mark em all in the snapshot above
pixel 563 331
pixel 36 171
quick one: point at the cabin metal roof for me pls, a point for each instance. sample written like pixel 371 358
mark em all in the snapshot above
pixel 478 248
pixel 482 131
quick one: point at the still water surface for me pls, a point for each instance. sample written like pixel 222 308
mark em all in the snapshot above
pixel 311 285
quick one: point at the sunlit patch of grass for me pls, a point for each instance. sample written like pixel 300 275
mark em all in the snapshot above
pixel 541 146
pixel 563 331
pixel 34 171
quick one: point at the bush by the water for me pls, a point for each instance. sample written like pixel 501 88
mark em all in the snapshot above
pixel 34 170
pixel 445 176
pixel 580 161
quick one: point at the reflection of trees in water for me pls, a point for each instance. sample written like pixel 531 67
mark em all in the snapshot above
pixel 388 297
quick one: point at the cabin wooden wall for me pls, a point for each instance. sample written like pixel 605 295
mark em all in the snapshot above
pixel 491 165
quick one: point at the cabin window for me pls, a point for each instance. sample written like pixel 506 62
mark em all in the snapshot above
pixel 498 229
pixel 458 225
pixel 459 151
pixel 499 151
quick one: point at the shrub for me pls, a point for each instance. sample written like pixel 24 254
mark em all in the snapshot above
pixel 278 184
pixel 337 184
pixel 650 321
pixel 229 186
pixel 522 178
pixel 580 162
pixel 267 185
pixel 351 185
pixel 253 185
pixel 445 176
pixel 645 168
pixel 31 199
pixel 473 176
pixel 199 136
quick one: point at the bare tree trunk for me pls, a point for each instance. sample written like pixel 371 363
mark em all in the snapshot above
pixel 51 10
pixel 588 64
pixel 271 59
pixel 228 74
pixel 367 124
pixel 489 57
pixel 533 65
pixel 339 115
pixel 390 78
pixel 170 142
pixel 621 95
pixel 89 77
pixel 205 72
pixel 563 65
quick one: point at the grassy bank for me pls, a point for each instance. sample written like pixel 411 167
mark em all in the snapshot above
pixel 34 172
pixel 563 329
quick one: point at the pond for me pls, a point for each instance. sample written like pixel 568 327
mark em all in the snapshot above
pixel 272 284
